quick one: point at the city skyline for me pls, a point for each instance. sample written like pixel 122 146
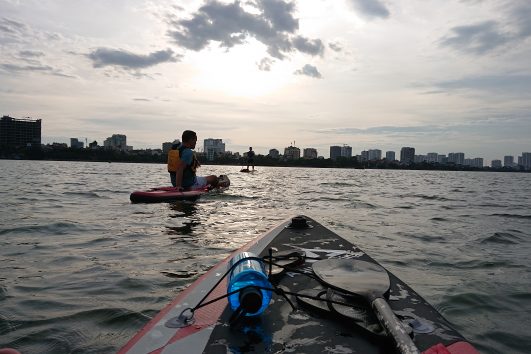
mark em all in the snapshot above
pixel 262 73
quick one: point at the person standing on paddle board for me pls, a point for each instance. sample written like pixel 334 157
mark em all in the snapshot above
pixel 173 161
pixel 250 158
pixel 186 177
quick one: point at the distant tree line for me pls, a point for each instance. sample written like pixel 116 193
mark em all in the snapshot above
pixel 147 156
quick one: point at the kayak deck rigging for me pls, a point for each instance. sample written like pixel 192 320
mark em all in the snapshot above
pixel 325 319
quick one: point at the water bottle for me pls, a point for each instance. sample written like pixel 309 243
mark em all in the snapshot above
pixel 252 301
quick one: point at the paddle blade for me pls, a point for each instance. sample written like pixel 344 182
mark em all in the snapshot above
pixel 370 281
pixel 353 276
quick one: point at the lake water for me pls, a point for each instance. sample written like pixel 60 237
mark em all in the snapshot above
pixel 82 269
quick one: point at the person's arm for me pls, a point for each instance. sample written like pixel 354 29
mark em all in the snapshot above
pixel 185 160
pixel 179 175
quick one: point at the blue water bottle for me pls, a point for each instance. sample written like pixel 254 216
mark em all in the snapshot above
pixel 252 301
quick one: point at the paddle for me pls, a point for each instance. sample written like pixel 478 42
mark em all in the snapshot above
pixel 370 281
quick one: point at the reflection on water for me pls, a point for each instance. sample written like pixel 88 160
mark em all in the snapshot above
pixel 184 211
pixel 82 269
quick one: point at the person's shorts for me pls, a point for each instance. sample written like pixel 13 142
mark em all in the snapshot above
pixel 199 182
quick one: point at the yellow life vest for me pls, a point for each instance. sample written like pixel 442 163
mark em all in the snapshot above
pixel 173 160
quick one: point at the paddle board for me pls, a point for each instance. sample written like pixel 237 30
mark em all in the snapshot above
pixel 164 194
pixel 326 320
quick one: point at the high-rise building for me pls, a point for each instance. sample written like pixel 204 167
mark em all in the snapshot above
pixel 442 159
pixel 346 151
pixel 390 155
pixel 496 164
pixel 508 161
pixel 166 146
pixel 477 162
pixel 526 160
pixel 375 154
pixel 15 133
pixel 309 153
pixel 274 153
pixel 116 142
pixel 432 157
pixel 292 153
pixel 420 158
pixel 76 144
pixel 407 155
pixel 213 148
pixel 335 152
pixel 457 158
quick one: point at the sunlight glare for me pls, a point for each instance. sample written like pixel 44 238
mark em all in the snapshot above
pixel 237 72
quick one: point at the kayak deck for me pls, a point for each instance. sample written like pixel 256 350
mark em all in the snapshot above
pixel 313 327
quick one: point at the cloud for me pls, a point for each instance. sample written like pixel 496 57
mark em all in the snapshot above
pixel 265 64
pixel 498 125
pixel 305 45
pixel 46 69
pixel 386 130
pixel 336 47
pixel 12 31
pixel 370 8
pixel 488 36
pixel 12 27
pixel 476 39
pixel 521 15
pixel 309 70
pixel 30 54
pixel 519 84
pixel 272 23
pixel 102 57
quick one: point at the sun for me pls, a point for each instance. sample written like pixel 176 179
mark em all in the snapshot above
pixel 236 72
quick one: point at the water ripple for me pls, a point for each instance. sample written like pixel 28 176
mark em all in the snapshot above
pixel 83 269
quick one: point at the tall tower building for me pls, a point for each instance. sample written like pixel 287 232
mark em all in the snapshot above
pixel 346 151
pixel 15 133
pixel 508 161
pixel 335 152
pixel 309 153
pixel 292 153
pixel 76 144
pixel 407 155
pixel 432 157
pixel 526 160
pixel 274 153
pixel 116 142
pixel 390 155
pixel 375 154
pixel 213 148
pixel 457 158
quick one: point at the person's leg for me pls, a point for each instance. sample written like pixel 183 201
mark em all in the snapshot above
pixel 173 178
pixel 212 180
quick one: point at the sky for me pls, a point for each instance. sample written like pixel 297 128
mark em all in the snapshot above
pixel 440 76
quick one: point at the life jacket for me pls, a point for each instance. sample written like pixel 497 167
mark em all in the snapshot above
pixel 189 170
pixel 173 160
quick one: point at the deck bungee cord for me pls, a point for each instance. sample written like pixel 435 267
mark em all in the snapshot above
pixel 186 317
pixel 284 298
